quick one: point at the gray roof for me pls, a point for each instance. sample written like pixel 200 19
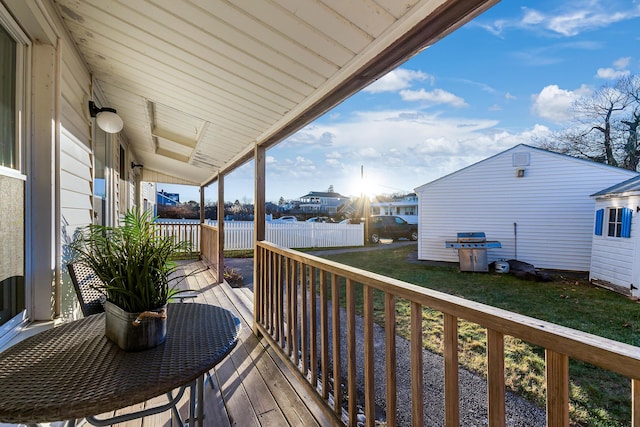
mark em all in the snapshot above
pixel 630 185
pixel 324 194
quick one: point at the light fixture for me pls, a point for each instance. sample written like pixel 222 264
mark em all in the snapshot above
pixel 106 118
pixel 135 165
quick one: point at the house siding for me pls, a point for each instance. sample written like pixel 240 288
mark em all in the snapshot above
pixel 550 207
pixel 612 258
pixel 76 166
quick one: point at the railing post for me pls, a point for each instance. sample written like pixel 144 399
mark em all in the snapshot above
pixel 337 369
pixel 390 334
pixel 417 369
pixel 351 354
pixel 495 378
pixel 369 367
pixel 557 373
pixel 451 397
pixel 635 402
pixel 324 335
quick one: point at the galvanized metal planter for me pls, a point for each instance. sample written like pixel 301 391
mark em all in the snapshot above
pixel 135 331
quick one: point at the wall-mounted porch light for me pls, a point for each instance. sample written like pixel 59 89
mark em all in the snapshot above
pixel 106 118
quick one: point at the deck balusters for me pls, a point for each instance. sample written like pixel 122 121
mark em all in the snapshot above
pixel 294 315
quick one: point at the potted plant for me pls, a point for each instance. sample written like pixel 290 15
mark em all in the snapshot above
pixel 139 277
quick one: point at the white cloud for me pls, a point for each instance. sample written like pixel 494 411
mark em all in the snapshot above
pixel 396 80
pixel 570 17
pixel 434 97
pixel 622 63
pixel 617 71
pixel 611 74
pixel 399 149
pixel 554 104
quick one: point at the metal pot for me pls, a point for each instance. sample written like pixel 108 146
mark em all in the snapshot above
pixel 135 331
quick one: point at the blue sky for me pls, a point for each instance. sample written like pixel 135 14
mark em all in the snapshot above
pixel 508 76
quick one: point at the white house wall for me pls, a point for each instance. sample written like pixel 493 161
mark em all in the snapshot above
pixel 612 258
pixel 550 207
pixel 76 164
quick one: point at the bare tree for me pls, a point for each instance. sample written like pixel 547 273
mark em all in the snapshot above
pixel 605 126
pixel 631 85
pixel 597 113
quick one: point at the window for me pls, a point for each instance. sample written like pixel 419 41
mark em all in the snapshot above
pixel 615 222
pixel 619 222
pixel 8 141
pixel 12 181
pixel 100 186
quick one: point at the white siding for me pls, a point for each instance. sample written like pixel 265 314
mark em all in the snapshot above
pixel 76 163
pixel 76 208
pixel 550 207
pixel 612 257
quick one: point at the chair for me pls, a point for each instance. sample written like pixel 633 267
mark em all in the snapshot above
pixel 87 286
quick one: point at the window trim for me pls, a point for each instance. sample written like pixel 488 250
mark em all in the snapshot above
pixel 23 50
pixel 623 226
pixel 22 122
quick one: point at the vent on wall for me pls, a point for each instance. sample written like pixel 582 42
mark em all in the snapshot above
pixel 521 159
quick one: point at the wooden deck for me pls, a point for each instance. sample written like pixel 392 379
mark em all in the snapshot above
pixel 252 387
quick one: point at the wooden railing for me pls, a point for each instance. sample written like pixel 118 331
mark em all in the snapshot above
pixel 184 232
pixel 297 311
pixel 209 246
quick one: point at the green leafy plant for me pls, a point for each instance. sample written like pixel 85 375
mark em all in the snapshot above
pixel 133 261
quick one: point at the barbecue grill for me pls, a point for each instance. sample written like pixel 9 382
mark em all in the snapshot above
pixel 472 250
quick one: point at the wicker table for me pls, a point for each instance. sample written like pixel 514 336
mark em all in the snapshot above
pixel 72 371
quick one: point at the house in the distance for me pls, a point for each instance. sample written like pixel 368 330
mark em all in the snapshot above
pixel 536 203
pixel 168 199
pixel 405 206
pixel 322 202
pixel 616 241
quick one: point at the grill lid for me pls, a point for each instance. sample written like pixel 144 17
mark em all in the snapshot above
pixel 470 237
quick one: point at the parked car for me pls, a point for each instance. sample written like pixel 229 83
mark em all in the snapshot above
pixel 391 227
pixel 286 219
pixel 320 219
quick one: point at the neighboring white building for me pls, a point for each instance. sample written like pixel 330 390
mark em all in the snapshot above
pixel 322 202
pixel 616 242
pixel 535 202
pixel 405 207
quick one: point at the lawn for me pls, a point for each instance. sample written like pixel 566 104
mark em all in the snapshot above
pixel 598 397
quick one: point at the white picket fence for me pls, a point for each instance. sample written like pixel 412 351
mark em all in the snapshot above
pixel 238 235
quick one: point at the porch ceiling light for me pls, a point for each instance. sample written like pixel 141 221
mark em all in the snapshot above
pixel 106 118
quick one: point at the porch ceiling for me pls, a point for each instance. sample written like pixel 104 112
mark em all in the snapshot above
pixel 200 82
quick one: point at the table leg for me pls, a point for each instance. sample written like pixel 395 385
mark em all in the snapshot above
pixel 192 403
pixel 200 404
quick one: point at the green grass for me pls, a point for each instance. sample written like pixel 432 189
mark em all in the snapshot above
pixel 598 397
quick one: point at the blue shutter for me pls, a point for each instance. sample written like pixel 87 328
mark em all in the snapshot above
pixel 626 222
pixel 599 221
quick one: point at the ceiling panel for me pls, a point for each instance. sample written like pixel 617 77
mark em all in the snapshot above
pixel 200 82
